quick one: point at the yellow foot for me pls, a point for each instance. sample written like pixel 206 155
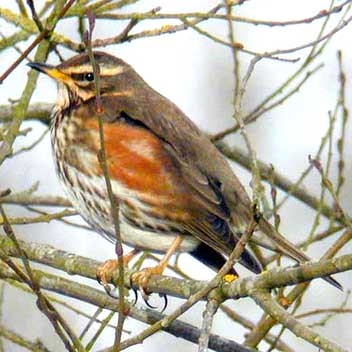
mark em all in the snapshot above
pixel 106 271
pixel 142 277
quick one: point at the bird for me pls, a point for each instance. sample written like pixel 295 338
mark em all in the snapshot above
pixel 174 190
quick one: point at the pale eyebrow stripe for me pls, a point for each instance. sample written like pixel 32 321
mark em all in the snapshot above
pixel 124 93
pixel 104 71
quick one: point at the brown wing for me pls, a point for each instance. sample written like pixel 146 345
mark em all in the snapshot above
pixel 196 155
pixel 195 150
pixel 181 138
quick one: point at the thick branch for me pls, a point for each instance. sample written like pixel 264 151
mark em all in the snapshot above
pixel 101 299
pixel 242 287
pixel 37 111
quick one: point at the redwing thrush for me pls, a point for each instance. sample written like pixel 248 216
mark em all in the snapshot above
pixel 175 191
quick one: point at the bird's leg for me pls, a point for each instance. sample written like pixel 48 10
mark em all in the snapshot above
pixel 106 271
pixel 142 277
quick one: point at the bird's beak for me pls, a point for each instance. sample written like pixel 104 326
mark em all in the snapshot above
pixel 51 71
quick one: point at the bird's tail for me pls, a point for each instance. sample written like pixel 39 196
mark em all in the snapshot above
pixel 274 241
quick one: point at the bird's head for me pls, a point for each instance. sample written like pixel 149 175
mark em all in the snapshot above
pixel 76 78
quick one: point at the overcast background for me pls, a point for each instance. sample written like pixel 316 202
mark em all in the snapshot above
pixel 197 74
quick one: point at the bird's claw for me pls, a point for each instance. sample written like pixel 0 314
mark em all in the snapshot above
pixel 105 274
pixel 165 302
pixel 141 278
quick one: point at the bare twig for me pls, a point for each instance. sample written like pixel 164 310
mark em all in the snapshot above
pixel 44 305
pixel 264 300
pixel 39 219
pixel 114 207
pixel 36 346
pixel 208 316
pixel 324 13
pixel 43 34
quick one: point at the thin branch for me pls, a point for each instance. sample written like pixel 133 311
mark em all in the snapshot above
pixel 114 206
pixel 38 219
pixel 36 346
pixel 263 327
pixel 323 311
pixel 51 22
pixel 44 305
pixel 243 321
pixel 253 116
pixel 201 15
pixel 270 305
pixel 20 109
pixel 266 173
pixel 208 317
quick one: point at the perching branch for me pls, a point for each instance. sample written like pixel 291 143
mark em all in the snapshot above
pixel 242 287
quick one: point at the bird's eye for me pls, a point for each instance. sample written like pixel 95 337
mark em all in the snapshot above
pixel 89 76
